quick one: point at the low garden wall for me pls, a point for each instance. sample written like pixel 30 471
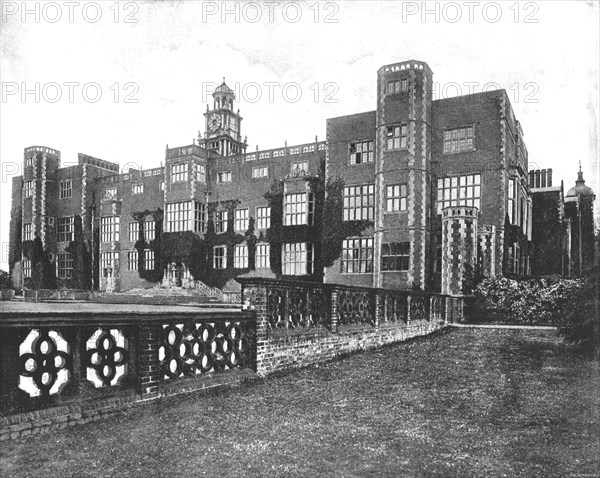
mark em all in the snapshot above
pixel 301 323
pixel 63 368
pixel 62 365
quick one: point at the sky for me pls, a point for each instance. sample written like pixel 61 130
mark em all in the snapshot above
pixel 121 80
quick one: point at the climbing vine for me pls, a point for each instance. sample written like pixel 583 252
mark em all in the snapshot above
pixel 43 274
pixel 514 235
pixel 15 241
pixel 335 229
pixel 80 250
pixel 142 245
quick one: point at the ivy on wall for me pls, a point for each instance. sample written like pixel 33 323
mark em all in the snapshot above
pixel 197 252
pixel 514 235
pixel 43 274
pixel 80 250
pixel 15 240
pixel 141 245
pixel 219 277
pixel 335 229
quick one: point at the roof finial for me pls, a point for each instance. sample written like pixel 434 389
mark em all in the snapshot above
pixel 579 164
pixel 223 80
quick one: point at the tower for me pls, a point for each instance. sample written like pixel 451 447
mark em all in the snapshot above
pixel 459 244
pixel 579 208
pixel 223 125
pixel 403 173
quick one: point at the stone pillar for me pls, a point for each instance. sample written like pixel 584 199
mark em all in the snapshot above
pixel 335 313
pixel 459 248
pixel 148 363
pixel 379 308
pixel 254 297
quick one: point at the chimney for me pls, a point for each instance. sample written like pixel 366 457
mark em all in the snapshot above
pixel 531 179
pixel 550 177
pixel 543 177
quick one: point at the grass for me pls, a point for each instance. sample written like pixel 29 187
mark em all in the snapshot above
pixel 465 403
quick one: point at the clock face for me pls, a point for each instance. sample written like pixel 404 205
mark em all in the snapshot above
pixel 214 122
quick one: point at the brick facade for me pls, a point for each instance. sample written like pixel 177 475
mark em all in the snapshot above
pixel 397 167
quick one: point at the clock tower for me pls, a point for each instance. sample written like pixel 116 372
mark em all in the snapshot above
pixel 223 125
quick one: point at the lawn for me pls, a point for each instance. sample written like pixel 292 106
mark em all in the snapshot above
pixel 462 403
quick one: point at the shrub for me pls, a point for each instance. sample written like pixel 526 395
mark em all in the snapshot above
pixel 531 302
pixel 5 282
pixel 582 319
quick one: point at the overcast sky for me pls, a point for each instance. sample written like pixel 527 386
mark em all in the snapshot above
pixel 293 65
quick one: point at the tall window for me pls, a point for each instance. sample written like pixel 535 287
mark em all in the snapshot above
pixel 260 172
pixel 361 152
pixel 460 139
pixel 28 232
pixel 137 188
pixel 299 165
pixel 148 260
pixel 297 258
pixel 110 193
pixel 224 177
pixel 221 218
pixel 132 260
pixel 65 265
pixel 178 217
pixel 179 172
pixel 263 217
pixel 66 189
pixel 149 230
pixel 26 268
pixel 201 173
pixel 200 217
pixel 512 199
pixel 357 255
pixel 66 229
pixel 396 198
pixel 220 257
pixel 28 189
pixel 359 202
pixel 263 255
pixel 298 209
pixel 134 231
pixel 240 256
pixel 459 191
pixel 397 136
pixel 109 261
pixel 395 256
pixel 241 219
pixel 109 228
pixel 29 161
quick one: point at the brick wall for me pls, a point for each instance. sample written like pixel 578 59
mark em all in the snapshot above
pixel 294 351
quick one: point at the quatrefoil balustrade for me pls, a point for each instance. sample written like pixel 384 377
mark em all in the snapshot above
pixel 192 349
pixel 356 307
pixel 45 363
pixel 106 357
